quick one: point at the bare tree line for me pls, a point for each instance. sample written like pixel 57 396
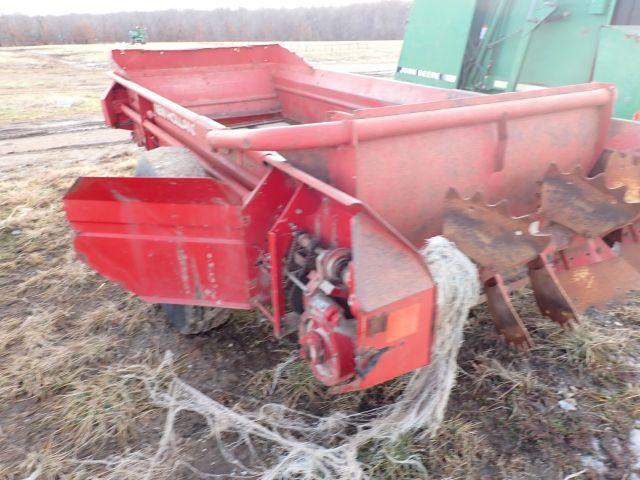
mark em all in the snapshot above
pixel 374 21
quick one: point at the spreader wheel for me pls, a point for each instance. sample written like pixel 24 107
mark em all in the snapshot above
pixel 192 319
pixel 169 162
pixel 180 162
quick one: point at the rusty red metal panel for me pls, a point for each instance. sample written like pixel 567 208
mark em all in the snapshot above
pixel 167 240
pixel 406 178
pixel 388 280
pixel 624 136
pixel 394 297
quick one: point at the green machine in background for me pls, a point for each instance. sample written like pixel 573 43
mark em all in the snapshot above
pixel 506 45
pixel 138 35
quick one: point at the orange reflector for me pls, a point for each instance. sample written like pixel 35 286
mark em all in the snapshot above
pixel 403 322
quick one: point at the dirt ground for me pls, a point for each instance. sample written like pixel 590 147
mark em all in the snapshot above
pixel 77 352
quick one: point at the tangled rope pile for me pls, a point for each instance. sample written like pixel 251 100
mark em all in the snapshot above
pixel 308 447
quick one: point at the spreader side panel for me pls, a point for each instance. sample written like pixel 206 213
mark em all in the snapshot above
pixel 499 149
pixel 168 240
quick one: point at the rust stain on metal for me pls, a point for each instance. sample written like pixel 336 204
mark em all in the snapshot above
pixel 377 324
pixel 196 279
pixel 630 253
pixel 585 205
pixel 597 284
pixel 184 268
pixel 489 235
pixel 551 298
pixel 507 321
pixel 623 170
pixel 583 276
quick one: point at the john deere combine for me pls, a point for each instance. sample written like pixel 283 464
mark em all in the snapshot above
pixel 498 46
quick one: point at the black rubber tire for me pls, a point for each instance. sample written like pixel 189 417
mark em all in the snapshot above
pixel 180 162
pixel 193 319
pixel 169 162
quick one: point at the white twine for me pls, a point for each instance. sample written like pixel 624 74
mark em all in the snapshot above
pixel 304 446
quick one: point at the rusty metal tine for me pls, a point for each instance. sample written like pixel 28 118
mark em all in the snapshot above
pixel 585 205
pixel 551 298
pixel 507 321
pixel 623 170
pixel 488 235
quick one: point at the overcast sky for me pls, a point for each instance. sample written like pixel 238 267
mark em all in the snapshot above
pixel 61 7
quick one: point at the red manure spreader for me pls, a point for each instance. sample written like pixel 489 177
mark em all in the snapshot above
pixel 306 194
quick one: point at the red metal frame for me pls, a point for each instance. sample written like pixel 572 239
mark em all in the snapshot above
pixel 365 164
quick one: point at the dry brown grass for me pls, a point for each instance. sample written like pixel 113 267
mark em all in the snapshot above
pixel 107 406
pixel 69 385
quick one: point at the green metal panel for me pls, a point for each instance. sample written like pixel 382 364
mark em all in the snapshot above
pixel 618 62
pixel 562 52
pixel 435 41
pixel 598 7
pixel 546 43
pixel 510 44
pixel 505 44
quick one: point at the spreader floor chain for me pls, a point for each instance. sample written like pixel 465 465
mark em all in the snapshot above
pixel 580 246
